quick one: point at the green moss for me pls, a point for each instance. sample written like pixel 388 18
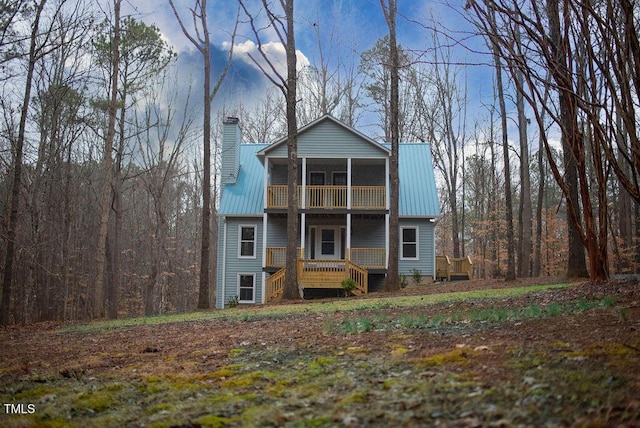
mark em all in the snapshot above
pixel 214 421
pixel 456 356
pixel 97 401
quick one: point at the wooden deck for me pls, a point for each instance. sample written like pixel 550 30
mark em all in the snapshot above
pixel 320 274
pixel 450 269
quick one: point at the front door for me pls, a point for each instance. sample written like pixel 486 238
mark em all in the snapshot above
pixel 327 242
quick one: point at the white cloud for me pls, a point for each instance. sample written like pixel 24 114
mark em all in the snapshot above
pixel 247 52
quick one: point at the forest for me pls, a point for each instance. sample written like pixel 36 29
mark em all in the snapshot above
pixel 108 169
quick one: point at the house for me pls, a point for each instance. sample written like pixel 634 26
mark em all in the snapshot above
pixel 344 212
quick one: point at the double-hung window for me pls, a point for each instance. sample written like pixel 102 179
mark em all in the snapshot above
pixel 246 287
pixel 247 244
pixel 409 243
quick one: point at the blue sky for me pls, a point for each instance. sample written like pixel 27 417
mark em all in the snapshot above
pixel 346 27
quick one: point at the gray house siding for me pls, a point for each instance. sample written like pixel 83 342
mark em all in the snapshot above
pixel 329 140
pixel 425 262
pixel 233 266
pixel 367 233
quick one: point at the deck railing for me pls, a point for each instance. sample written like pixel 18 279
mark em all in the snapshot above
pixel 313 273
pixel 330 197
pixel 370 258
pixel 277 256
pixel 275 285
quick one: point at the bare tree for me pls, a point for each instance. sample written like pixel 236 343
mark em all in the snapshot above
pixel 283 26
pixel 36 50
pixel 201 41
pixel 392 282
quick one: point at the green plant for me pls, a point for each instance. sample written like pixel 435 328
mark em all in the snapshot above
pixel 417 276
pixel 233 301
pixel 348 285
pixel 403 281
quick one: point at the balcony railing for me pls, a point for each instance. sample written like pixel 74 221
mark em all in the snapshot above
pixel 330 197
pixel 368 258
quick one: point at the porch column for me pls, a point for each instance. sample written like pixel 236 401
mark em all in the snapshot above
pixel 348 183
pixel 348 231
pixel 303 197
pixel 303 226
pixel 303 205
pixel 386 216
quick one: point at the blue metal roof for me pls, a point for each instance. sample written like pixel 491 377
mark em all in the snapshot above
pixel 245 196
pixel 418 192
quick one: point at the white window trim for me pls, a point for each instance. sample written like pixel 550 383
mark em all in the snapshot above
pixel 417 243
pixel 253 275
pixel 255 240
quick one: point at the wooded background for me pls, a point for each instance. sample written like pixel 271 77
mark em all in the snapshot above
pixel 102 161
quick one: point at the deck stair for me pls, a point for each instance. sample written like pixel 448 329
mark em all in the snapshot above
pixel 320 274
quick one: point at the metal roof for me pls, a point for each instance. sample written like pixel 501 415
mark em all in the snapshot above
pixel 245 196
pixel 418 192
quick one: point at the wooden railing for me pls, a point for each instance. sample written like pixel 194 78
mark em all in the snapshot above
pixel 277 256
pixel 275 285
pixel 449 267
pixel 368 197
pixel 370 258
pixel 320 274
pixel 330 197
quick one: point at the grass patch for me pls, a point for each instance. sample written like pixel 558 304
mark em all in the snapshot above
pixel 489 315
pixel 283 310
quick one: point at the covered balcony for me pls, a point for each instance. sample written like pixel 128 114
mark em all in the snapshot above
pixel 329 197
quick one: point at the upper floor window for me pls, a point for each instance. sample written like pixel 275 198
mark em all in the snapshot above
pixel 247 247
pixel 409 243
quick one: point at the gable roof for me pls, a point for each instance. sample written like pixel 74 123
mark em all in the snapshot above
pixel 418 191
pixel 325 136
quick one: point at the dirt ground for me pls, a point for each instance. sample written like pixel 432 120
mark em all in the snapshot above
pixel 569 356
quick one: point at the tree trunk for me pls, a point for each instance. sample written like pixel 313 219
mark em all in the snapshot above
pixel 525 214
pixel 293 224
pixel 97 300
pixel 9 261
pixel 511 271
pixel 392 281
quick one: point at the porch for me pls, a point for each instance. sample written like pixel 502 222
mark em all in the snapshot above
pixel 319 274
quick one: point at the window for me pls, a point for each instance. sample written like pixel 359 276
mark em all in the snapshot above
pixel 339 178
pixel 409 243
pixel 328 242
pixel 247 248
pixel 246 287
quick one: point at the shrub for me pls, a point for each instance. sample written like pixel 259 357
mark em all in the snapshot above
pixel 417 276
pixel 348 285
pixel 233 301
pixel 403 281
